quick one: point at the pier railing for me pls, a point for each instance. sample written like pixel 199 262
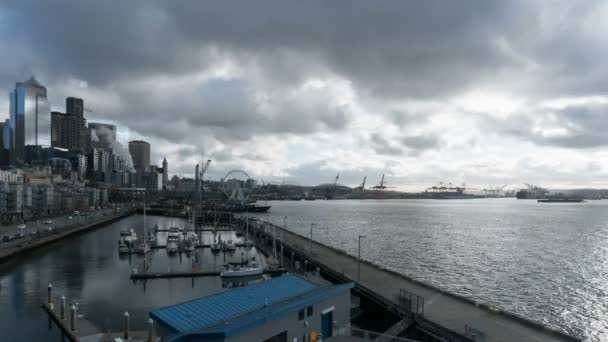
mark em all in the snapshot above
pixel 367 335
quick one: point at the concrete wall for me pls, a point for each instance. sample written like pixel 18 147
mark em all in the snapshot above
pixel 295 328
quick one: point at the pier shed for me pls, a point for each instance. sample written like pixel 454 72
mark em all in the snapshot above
pixel 288 308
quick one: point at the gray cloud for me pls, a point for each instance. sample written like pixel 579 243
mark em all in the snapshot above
pixel 579 127
pixel 225 73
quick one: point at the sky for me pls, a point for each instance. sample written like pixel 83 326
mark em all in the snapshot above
pixel 478 92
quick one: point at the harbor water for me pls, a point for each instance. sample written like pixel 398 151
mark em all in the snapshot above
pixel 545 262
pixel 88 269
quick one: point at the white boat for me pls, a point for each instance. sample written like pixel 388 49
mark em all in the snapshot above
pixel 230 246
pixel 246 269
pixel 216 247
pixel 187 246
pixel 123 247
pixel 172 244
pixel 142 248
pixel 129 236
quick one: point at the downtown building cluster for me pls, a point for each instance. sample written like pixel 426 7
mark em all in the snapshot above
pixel 53 162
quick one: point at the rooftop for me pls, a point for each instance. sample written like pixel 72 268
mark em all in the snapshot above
pixel 234 310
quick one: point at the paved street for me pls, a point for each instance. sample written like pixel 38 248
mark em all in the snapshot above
pixel 36 230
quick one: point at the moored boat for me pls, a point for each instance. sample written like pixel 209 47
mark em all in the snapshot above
pixel 241 269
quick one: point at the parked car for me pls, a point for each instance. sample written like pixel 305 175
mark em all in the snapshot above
pixel 48 222
pixel 7 238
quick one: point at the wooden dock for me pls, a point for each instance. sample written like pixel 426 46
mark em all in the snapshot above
pixel 85 331
pixel 168 275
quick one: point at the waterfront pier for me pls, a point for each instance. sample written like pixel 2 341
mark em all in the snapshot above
pixel 433 312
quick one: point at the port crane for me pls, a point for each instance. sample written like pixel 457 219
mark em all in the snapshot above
pixel 381 186
pixel 494 192
pixel 361 187
pixel 331 192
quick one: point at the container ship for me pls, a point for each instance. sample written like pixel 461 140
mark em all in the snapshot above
pixel 447 191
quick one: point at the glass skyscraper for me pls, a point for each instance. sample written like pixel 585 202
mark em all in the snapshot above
pixel 30 118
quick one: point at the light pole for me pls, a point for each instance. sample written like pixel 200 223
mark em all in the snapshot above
pixel 311 225
pixel 359 260
pixel 284 222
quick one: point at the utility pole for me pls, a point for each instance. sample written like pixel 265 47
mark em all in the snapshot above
pixel 359 260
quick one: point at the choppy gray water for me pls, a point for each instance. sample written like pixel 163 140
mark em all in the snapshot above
pixel 547 262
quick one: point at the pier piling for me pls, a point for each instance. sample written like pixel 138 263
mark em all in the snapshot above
pixel 150 330
pixel 73 318
pixel 62 307
pixel 49 291
pixel 126 332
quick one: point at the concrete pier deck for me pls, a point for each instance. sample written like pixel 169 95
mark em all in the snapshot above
pixel 453 312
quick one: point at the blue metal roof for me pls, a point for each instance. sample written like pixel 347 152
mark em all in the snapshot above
pixel 205 311
pixel 265 314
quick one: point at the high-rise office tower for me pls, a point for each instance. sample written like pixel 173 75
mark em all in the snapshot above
pixel 74 106
pixel 30 118
pixel 140 153
pixel 165 171
pixel 70 130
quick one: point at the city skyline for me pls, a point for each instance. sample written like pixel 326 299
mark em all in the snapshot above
pixel 435 92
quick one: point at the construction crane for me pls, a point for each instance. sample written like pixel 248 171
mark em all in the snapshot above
pixel 381 186
pixel 362 186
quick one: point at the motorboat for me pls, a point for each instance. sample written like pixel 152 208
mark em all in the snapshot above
pixel 230 246
pixel 172 244
pixel 187 245
pixel 129 236
pixel 241 269
pixel 142 248
pixel 123 247
pixel 216 247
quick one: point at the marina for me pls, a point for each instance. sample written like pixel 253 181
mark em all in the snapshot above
pixel 435 309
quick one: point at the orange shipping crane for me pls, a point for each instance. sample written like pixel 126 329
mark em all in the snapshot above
pixel 381 186
pixel 362 186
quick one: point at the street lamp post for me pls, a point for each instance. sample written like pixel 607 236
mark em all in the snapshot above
pixel 311 226
pixel 359 260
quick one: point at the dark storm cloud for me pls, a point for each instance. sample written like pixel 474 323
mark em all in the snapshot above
pixel 387 50
pixel 393 48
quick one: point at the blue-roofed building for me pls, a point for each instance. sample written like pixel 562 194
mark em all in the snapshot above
pixel 289 308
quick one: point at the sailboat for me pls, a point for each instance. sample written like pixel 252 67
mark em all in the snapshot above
pixel 144 246
pixel 187 243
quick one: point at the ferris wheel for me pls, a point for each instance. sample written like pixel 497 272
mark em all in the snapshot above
pixel 236 185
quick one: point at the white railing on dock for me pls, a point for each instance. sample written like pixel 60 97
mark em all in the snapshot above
pixel 367 335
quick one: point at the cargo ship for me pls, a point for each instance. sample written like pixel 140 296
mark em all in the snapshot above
pixel 447 191
pixel 561 200
pixel 532 192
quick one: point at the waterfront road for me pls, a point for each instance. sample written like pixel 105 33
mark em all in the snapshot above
pixel 442 308
pixel 38 230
